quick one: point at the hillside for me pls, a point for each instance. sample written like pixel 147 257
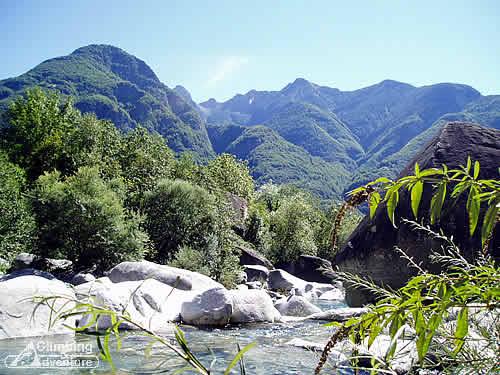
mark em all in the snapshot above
pixel 119 87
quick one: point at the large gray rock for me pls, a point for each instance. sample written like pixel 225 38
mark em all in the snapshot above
pixel 339 315
pixel 296 306
pixel 58 267
pixel 256 272
pixel 250 306
pixel 82 278
pixel 149 303
pixel 212 307
pixel 250 256
pixel 310 268
pixel 18 317
pixel 175 277
pixel 369 251
pixel 282 280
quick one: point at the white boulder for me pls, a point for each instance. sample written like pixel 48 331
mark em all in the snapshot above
pixel 212 307
pixel 253 305
pixel 296 306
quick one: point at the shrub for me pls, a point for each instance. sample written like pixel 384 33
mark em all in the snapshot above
pixel 82 218
pixel 17 225
pixel 178 213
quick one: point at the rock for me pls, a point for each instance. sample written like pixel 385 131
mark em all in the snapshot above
pixel 296 306
pixel 250 306
pixel 17 306
pixel 60 268
pixel 81 278
pixel 149 303
pixel 310 268
pixel 309 345
pixel 256 272
pixel 212 307
pixel 253 257
pixel 369 252
pixel 175 277
pixel 254 285
pixel 242 287
pixel 27 272
pixel 339 315
pixel 333 295
pixel 282 280
pixel 275 295
pixel 241 278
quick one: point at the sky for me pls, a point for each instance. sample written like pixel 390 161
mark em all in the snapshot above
pixel 221 48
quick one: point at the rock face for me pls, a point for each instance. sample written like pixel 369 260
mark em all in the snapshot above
pixel 60 268
pixel 369 251
pixel 256 273
pixel 17 306
pixel 250 306
pixel 253 257
pixel 296 306
pixel 212 307
pixel 175 277
pixel 282 280
pixel 311 268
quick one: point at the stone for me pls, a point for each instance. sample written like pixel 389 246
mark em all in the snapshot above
pixel 27 272
pixel 253 257
pixel 339 315
pixel 296 306
pixel 310 268
pixel 256 272
pixel 282 280
pixel 212 307
pixel 60 268
pixel 17 306
pixel 149 303
pixel 254 285
pixel 333 295
pixel 369 251
pixel 82 278
pixel 175 277
pixel 251 306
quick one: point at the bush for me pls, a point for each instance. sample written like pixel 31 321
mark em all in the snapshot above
pixel 82 218
pixel 17 225
pixel 178 214
pixel 190 259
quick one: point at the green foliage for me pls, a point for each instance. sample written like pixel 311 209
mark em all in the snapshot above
pixel 144 158
pixel 17 226
pixel 464 180
pixel 190 259
pixel 82 218
pixel 226 174
pixel 179 213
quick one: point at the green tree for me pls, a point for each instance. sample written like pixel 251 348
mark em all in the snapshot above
pixel 17 225
pixel 82 218
pixel 145 159
pixel 179 213
pixel 225 173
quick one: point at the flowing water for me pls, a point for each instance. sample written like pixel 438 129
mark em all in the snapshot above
pixel 214 347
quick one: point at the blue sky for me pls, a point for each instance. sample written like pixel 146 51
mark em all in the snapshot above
pixel 220 48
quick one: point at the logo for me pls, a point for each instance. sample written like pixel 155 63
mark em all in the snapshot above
pixel 45 355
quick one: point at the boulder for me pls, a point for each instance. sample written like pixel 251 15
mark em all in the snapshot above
pixel 150 303
pixel 253 257
pixel 175 277
pixel 282 280
pixel 60 268
pixel 212 307
pixel 333 295
pixel 256 272
pixel 81 278
pixel 250 306
pixel 369 251
pixel 27 272
pixel 310 268
pixel 18 317
pixel 296 306
pixel 254 285
pixel 339 315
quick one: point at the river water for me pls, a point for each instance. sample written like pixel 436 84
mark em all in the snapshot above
pixel 214 347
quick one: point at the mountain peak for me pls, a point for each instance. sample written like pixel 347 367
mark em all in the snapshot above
pixel 298 84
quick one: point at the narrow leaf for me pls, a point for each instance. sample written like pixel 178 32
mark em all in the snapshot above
pixel 238 357
pixel 462 328
pixel 476 170
pixel 416 196
pixel 437 202
pixel 392 198
pixel 489 222
pixel 374 202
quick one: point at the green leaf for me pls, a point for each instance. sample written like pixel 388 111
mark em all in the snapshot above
pixel 489 222
pixel 462 328
pixel 473 209
pixel 238 357
pixel 437 202
pixel 374 201
pixel 417 170
pixel 392 198
pixel 416 196
pixel 476 170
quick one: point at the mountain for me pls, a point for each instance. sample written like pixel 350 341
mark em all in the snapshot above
pixel 122 88
pixel 320 138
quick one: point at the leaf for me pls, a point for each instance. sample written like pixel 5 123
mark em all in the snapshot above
pixel 488 222
pixel 374 201
pixel 238 357
pixel 392 198
pixel 437 202
pixel 476 169
pixel 473 208
pixel 462 328
pixel 416 196
pixel 417 169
